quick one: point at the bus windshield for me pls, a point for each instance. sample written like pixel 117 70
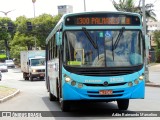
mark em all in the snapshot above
pixel 114 48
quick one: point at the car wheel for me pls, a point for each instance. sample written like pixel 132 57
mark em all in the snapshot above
pixel 26 78
pixel 30 77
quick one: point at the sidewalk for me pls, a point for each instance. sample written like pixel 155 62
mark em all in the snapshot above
pixel 154 75
pixel 7 93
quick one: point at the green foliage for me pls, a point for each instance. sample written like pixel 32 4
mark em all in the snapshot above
pixel 157 55
pixel 22 39
pixel 15 51
pixel 2 45
pixel 156 37
pixel 125 5
pixel 43 25
pixel 129 6
pixel 2 56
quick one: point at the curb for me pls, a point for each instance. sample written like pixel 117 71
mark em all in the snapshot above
pixel 9 96
pixel 152 85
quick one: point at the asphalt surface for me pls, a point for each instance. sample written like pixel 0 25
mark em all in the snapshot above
pixel 154 74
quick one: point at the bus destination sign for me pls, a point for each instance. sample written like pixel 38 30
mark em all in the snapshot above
pixel 102 20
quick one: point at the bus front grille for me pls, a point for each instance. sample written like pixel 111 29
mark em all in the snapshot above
pixel 105 95
pixel 101 85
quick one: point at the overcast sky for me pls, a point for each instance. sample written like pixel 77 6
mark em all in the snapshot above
pixel 25 7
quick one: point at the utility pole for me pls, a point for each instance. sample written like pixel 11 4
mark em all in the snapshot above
pixel 33 1
pixel 84 5
pixel 147 49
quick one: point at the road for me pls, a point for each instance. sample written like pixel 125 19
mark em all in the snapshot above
pixel 33 96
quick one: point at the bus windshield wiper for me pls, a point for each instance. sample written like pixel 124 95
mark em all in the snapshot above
pixel 89 38
pixel 112 49
pixel 118 38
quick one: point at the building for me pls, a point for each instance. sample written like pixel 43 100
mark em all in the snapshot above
pixel 151 27
pixel 63 9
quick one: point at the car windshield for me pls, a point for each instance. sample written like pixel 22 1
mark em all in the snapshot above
pixel 9 61
pixel 114 48
pixel 2 64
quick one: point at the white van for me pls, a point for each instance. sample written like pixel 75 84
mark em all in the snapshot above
pixel 10 63
pixel 0 75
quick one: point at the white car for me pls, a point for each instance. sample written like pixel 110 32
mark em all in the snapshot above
pixel 0 75
pixel 10 63
pixel 3 67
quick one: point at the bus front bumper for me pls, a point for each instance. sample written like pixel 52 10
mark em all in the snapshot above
pixel 74 93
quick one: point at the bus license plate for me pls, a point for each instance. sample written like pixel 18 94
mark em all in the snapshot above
pixel 105 92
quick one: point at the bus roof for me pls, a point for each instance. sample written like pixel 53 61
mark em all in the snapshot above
pixel 59 24
pixel 95 12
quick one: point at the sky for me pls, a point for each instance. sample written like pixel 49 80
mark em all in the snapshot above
pixel 25 7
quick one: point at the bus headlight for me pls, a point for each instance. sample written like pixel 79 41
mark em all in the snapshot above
pixel 67 79
pixel 136 81
pixel 80 85
pixel 141 77
pixel 73 83
pixel 130 84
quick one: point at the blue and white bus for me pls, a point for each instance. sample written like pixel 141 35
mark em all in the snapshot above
pixel 96 56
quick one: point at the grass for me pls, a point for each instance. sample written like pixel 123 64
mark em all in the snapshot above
pixel 2 56
pixel 5 91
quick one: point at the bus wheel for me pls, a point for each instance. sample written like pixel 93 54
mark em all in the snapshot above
pixel 65 106
pixel 123 104
pixel 52 97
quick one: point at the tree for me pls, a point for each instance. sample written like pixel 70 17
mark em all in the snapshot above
pixel 2 45
pixel 23 40
pixel 125 5
pixel 156 38
pixel 42 26
pixel 150 12
pixel 129 6
pixel 5 34
pixel 23 37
